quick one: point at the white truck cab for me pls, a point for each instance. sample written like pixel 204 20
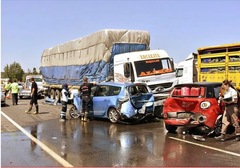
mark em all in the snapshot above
pixel 153 67
pixel 186 71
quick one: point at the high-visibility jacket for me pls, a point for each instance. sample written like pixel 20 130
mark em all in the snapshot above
pixel 14 87
pixel 7 86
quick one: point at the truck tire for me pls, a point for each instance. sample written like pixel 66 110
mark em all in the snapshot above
pixel 20 97
pixel 52 94
pixel 57 96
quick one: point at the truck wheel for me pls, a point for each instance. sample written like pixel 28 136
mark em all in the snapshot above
pixel 73 112
pixel 20 97
pixel 171 128
pixel 113 115
pixel 52 94
pixel 57 96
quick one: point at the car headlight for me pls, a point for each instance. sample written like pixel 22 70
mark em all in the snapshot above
pixel 149 104
pixel 205 105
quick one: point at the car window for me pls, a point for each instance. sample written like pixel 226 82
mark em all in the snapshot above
pixel 114 90
pixel 192 91
pixel 136 89
pixel 217 91
pixel 103 90
pixel 93 90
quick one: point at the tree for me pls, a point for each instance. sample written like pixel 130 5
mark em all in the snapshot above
pixel 29 71
pixel 14 71
pixel 35 71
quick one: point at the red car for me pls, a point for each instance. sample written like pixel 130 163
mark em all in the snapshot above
pixel 194 105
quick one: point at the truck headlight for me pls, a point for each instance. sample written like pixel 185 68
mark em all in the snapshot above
pixel 205 105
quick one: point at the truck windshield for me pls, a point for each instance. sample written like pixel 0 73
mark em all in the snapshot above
pixel 38 79
pixel 152 67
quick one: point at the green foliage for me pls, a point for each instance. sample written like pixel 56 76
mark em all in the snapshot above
pixel 35 71
pixel 14 71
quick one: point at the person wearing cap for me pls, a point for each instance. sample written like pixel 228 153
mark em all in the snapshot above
pixel 14 91
pixel 85 91
pixel 65 95
pixel 34 90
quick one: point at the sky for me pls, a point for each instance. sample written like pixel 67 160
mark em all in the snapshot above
pixel 179 27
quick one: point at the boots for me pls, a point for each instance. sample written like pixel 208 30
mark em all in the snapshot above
pixel 82 116
pixel 29 110
pixel 85 116
pixel 63 116
pixel 36 111
pixel 221 137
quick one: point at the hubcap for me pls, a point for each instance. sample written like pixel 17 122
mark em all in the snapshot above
pixel 113 115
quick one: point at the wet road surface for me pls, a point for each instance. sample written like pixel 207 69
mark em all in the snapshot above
pixel 102 144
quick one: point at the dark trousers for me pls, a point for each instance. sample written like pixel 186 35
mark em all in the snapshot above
pixel 6 92
pixel 86 103
pixel 14 98
pixel 34 100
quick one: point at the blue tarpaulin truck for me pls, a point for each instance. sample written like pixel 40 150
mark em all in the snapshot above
pixel 91 56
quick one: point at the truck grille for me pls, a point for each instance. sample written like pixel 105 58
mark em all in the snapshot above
pixel 165 85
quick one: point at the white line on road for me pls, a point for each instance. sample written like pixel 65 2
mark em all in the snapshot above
pixel 205 146
pixel 44 147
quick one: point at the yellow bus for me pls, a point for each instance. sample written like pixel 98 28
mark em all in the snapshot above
pixel 217 63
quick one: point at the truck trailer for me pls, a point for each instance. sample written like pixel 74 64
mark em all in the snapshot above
pixel 217 63
pixel 90 56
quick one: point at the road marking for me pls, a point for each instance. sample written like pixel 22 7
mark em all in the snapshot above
pixel 205 146
pixel 44 147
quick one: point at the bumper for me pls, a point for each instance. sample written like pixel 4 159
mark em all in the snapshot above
pixel 181 122
pixel 184 118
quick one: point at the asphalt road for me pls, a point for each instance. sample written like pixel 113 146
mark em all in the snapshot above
pixel 45 142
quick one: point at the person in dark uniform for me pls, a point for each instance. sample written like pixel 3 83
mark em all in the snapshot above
pixel 34 95
pixel 85 91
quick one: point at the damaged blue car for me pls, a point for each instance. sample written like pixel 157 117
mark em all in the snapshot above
pixel 117 102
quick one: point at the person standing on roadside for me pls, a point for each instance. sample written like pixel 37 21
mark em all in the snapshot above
pixel 85 91
pixel 34 95
pixel 230 115
pixel 14 90
pixel 65 95
pixel 7 87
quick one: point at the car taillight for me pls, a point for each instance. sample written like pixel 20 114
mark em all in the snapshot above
pixel 164 115
pixel 205 105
